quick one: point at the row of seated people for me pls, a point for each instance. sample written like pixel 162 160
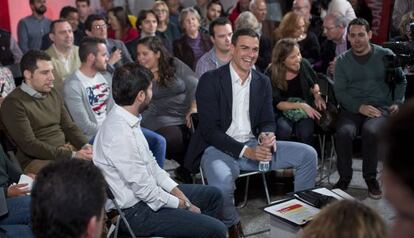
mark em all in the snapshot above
pixel 36 118
pixel 68 197
pixel 158 117
pixel 244 58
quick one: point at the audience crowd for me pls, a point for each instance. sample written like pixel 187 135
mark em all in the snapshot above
pixel 92 103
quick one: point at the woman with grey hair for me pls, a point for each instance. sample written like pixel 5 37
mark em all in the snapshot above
pixel 192 44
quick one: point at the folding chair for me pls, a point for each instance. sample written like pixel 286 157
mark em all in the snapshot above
pixel 121 216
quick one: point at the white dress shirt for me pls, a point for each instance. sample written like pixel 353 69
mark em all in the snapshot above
pixel 122 153
pixel 240 128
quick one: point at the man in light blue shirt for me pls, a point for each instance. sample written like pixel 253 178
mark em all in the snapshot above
pixel 220 34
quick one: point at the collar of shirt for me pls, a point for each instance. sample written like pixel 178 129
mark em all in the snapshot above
pixel 235 78
pixel 131 119
pixel 61 56
pixel 29 90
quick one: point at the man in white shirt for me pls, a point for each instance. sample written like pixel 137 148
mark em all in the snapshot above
pixel 153 203
pixel 234 103
pixel 88 95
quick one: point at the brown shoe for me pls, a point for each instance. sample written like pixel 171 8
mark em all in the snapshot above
pixel 236 231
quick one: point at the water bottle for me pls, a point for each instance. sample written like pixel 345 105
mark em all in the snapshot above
pixel 265 138
pixel 264 166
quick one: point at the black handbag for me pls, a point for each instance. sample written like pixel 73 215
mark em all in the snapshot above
pixel 328 119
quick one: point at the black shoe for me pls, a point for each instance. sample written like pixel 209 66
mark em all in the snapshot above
pixel 183 175
pixel 374 190
pixel 341 184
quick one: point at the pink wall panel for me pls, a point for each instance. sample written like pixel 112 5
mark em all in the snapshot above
pixel 20 8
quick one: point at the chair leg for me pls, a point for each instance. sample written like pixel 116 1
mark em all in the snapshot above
pixel 245 193
pixel 266 188
pixel 322 144
pixel 202 177
pixel 332 155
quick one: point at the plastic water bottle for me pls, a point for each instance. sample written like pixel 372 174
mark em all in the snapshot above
pixel 265 139
pixel 264 166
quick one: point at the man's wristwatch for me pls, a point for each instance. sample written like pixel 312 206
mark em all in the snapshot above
pixel 187 204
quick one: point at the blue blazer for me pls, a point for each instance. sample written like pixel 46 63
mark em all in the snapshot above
pixel 214 104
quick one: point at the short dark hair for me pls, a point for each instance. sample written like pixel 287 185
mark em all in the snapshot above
pixel 128 81
pixel 360 22
pixel 54 23
pixel 89 45
pixel 87 1
pixel 397 139
pixel 65 196
pixel 221 21
pixel 91 18
pixel 66 10
pixel 29 60
pixel 217 2
pixel 142 15
pixel 243 32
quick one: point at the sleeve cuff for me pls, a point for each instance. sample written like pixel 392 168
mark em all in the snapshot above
pixel 242 151
pixel 172 202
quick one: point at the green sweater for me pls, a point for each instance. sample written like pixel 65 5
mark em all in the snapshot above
pixel 357 84
pixel 39 127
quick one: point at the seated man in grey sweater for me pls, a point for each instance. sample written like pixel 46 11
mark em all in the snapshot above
pixel 367 99
pixel 88 95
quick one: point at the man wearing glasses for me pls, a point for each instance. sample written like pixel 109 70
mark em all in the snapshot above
pixel 96 26
pixel 334 28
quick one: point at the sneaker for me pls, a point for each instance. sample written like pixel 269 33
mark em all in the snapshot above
pixel 374 190
pixel 341 184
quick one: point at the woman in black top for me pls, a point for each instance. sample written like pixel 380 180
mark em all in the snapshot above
pixel 294 87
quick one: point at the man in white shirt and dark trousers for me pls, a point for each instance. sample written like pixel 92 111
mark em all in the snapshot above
pixel 153 203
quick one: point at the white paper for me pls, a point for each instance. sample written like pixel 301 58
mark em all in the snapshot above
pixel 26 179
pixel 293 210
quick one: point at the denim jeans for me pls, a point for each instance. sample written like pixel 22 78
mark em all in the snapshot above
pixel 302 129
pixel 175 222
pixel 17 221
pixel 222 170
pixel 157 145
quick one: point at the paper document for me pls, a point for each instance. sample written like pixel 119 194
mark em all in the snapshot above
pixel 26 179
pixel 294 211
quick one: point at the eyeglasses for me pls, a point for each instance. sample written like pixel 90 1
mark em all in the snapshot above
pixel 99 27
pixel 329 28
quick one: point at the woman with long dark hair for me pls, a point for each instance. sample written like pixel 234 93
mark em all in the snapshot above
pixel 173 98
pixel 296 95
pixel 121 28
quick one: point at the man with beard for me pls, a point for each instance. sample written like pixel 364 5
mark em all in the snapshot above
pixel 367 100
pixel 88 95
pixel 36 119
pixel 87 92
pixel 31 29
pixel 153 203
pixel 64 53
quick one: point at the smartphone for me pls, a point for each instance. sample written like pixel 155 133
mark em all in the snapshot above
pixel 113 49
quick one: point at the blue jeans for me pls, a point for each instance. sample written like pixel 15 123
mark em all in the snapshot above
pixel 222 170
pixel 17 221
pixel 157 145
pixel 175 222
